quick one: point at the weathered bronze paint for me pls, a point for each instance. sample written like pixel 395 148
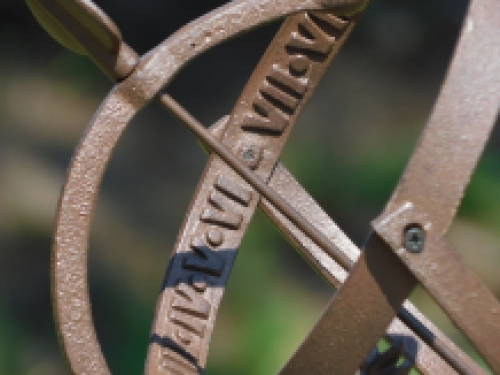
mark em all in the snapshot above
pixel 255 133
pixel 467 301
pixel 76 205
pixel 436 354
pixel 84 28
pixel 431 351
pixel 278 99
pixel 434 182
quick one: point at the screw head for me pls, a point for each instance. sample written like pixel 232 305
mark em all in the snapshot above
pixel 414 239
pixel 249 155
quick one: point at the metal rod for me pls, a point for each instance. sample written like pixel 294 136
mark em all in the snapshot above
pixel 321 240
pixel 305 226
pixel 434 342
pixel 262 188
pixel 129 59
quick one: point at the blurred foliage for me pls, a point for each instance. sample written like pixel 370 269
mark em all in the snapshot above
pixel 349 149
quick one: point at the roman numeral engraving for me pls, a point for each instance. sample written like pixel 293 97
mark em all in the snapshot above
pixel 283 91
pixel 220 212
pixel 188 307
pixel 298 85
pixel 311 38
pixel 188 321
pixel 265 110
pixel 283 88
pixel 176 364
pixel 233 190
pixel 215 237
pixel 204 259
pixel 281 97
pixel 184 336
pixel 188 300
pixel 331 20
pixel 198 282
pixel 189 310
pixel 265 117
pixel 223 215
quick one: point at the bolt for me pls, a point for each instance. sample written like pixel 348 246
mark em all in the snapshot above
pixel 414 239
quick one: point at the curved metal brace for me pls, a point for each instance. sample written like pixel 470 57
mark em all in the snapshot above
pixel 434 182
pixel 154 72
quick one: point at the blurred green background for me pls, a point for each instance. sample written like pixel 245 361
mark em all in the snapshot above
pixel 349 148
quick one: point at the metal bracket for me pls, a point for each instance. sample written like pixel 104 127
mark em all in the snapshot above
pixel 244 172
pixel 470 304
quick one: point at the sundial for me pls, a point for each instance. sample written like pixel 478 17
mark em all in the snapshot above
pixel 406 245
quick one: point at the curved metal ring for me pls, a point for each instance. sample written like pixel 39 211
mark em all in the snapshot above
pixel 155 71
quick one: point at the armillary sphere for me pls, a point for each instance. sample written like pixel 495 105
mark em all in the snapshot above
pixel 407 244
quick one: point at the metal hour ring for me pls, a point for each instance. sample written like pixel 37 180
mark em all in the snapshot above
pixel 245 154
pixel 154 72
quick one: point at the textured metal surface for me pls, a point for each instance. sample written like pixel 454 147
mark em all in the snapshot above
pixel 84 28
pixel 434 181
pixel 245 159
pixel 79 194
pixel 465 112
pixel 435 353
pixel 350 327
pixel 470 305
pixel 224 203
pixel 431 351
